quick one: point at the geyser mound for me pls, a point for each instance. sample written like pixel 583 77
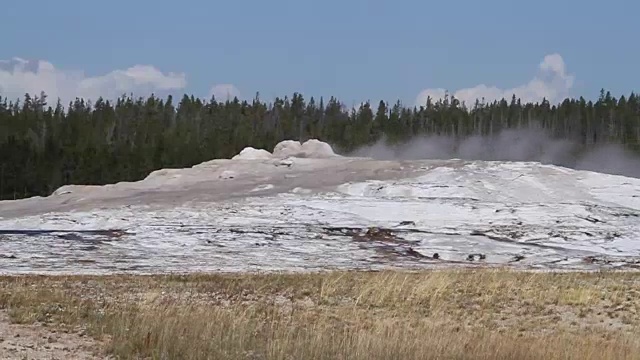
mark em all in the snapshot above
pixel 250 153
pixel 313 148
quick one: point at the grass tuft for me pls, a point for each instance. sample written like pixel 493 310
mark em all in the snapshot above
pixel 451 314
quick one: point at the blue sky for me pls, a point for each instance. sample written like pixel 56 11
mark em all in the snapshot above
pixel 356 50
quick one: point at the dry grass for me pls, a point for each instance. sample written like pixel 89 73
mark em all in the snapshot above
pixel 453 314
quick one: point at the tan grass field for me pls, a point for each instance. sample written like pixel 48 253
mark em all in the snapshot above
pixel 449 314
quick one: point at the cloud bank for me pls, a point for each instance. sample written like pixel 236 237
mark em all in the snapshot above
pixel 224 92
pixel 552 82
pixel 19 76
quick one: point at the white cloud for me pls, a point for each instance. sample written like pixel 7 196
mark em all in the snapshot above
pixel 224 92
pixel 19 76
pixel 551 82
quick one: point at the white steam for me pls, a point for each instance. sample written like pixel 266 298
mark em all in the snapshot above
pixel 525 144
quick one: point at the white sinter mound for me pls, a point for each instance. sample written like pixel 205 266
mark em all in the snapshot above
pixel 288 148
pixel 272 211
pixel 313 148
pixel 250 153
pixel 222 169
pixel 317 149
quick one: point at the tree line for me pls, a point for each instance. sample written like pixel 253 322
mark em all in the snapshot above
pixel 43 147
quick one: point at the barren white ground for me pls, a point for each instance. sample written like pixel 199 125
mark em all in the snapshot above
pixel 301 208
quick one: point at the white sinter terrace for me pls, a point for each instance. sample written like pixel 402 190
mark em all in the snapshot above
pixel 303 208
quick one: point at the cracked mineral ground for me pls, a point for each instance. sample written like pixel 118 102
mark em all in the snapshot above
pixel 303 208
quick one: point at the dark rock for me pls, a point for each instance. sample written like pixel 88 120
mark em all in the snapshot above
pixel 74 237
pixel 472 257
pixel 413 253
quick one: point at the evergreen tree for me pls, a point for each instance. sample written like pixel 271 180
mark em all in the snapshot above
pixel 44 146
